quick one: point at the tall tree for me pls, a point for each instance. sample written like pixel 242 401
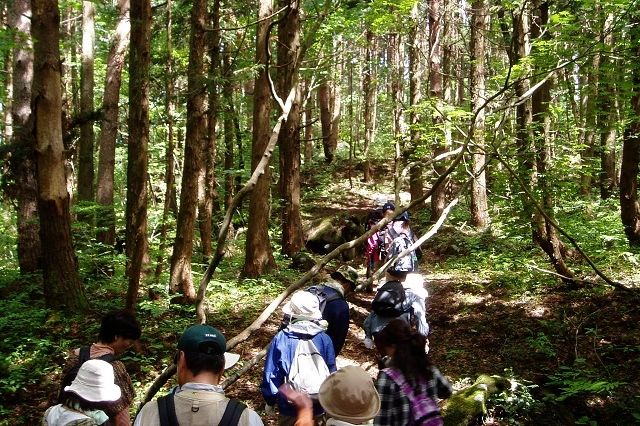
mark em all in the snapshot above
pixel 438 197
pixel 289 136
pixel 258 252
pixel 369 102
pixel 479 209
pixel 169 111
pixel 207 184
pixel 415 97
pixel 608 112
pixel 109 126
pixel 29 248
pixel 86 143
pixel 181 279
pixel 62 285
pixel 629 204
pixel 136 210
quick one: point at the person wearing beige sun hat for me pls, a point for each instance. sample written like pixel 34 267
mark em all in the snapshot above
pixel 349 397
pixel 86 398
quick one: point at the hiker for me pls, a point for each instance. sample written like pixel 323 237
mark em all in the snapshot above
pixel 118 332
pixel 348 396
pixel 199 399
pixel 85 400
pixel 375 250
pixel 334 307
pixel 410 384
pixel 300 354
pixel 393 300
pixel 399 236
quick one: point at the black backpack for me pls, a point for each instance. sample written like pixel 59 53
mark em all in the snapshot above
pixel 83 356
pixel 167 411
pixel 406 263
pixel 389 300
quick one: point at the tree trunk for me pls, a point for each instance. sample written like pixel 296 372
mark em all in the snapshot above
pixel 438 198
pixel 629 205
pixel 227 95
pixel 289 137
pixel 136 209
pixel 86 143
pixel 587 154
pixel 336 99
pixel 210 195
pixel 258 253
pixel 416 184
pixel 608 109
pixel 544 232
pixel 308 124
pixel 29 248
pixel 395 53
pixel 109 126
pixel 181 279
pixel 6 10
pixel 479 208
pixel 324 104
pixel 62 285
pixel 368 95
pixel 169 162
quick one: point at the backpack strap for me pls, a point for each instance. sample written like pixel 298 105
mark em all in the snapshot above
pixel 167 410
pixel 84 355
pixel 232 413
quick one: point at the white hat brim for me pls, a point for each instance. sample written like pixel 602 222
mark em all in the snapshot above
pixel 102 393
pixel 230 359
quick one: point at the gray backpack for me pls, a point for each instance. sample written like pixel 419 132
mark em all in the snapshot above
pixel 308 369
pixel 406 263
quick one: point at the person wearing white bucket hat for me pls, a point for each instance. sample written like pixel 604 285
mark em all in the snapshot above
pixel 86 397
pixel 201 360
pixel 301 354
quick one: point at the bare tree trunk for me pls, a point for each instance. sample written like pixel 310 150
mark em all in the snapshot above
pixel 181 279
pixel 289 137
pixel 258 253
pixel 136 209
pixel 545 234
pixel 438 198
pixel 608 116
pixel 208 184
pixel 336 97
pixel 85 153
pixel 479 208
pixel 62 285
pixel 6 10
pixel 369 92
pixel 29 248
pixel 395 49
pixel 587 154
pixel 308 123
pixel 229 130
pixel 324 103
pixel 169 171
pixel 416 184
pixel 109 126
pixel 629 205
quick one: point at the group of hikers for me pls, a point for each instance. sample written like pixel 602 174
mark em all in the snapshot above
pixel 300 380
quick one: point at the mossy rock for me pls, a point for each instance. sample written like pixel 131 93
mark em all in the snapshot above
pixel 467 404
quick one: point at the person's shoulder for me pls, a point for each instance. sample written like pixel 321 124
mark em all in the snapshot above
pixel 250 418
pixel 148 414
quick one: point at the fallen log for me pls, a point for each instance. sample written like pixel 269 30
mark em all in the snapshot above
pixel 469 403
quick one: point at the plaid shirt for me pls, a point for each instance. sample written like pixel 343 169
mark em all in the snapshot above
pixel 395 408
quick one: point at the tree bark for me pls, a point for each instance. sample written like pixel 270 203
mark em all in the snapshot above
pixel 29 248
pixel 169 162
pixel 324 104
pixel 229 130
pixel 181 279
pixel 210 195
pixel 629 205
pixel 258 253
pixel 416 184
pixel 136 209
pixel 106 221
pixel 438 198
pixel 8 67
pixel 289 137
pixel 479 208
pixel 368 95
pixel 86 144
pixel 62 285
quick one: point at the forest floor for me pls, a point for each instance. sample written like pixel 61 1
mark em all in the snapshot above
pixel 575 353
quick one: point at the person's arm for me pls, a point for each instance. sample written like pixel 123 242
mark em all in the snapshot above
pixel 443 387
pixel 271 376
pixel 337 315
pixel 321 340
pixel 302 402
pixel 419 312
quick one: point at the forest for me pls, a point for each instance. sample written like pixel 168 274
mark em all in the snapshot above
pixel 199 161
